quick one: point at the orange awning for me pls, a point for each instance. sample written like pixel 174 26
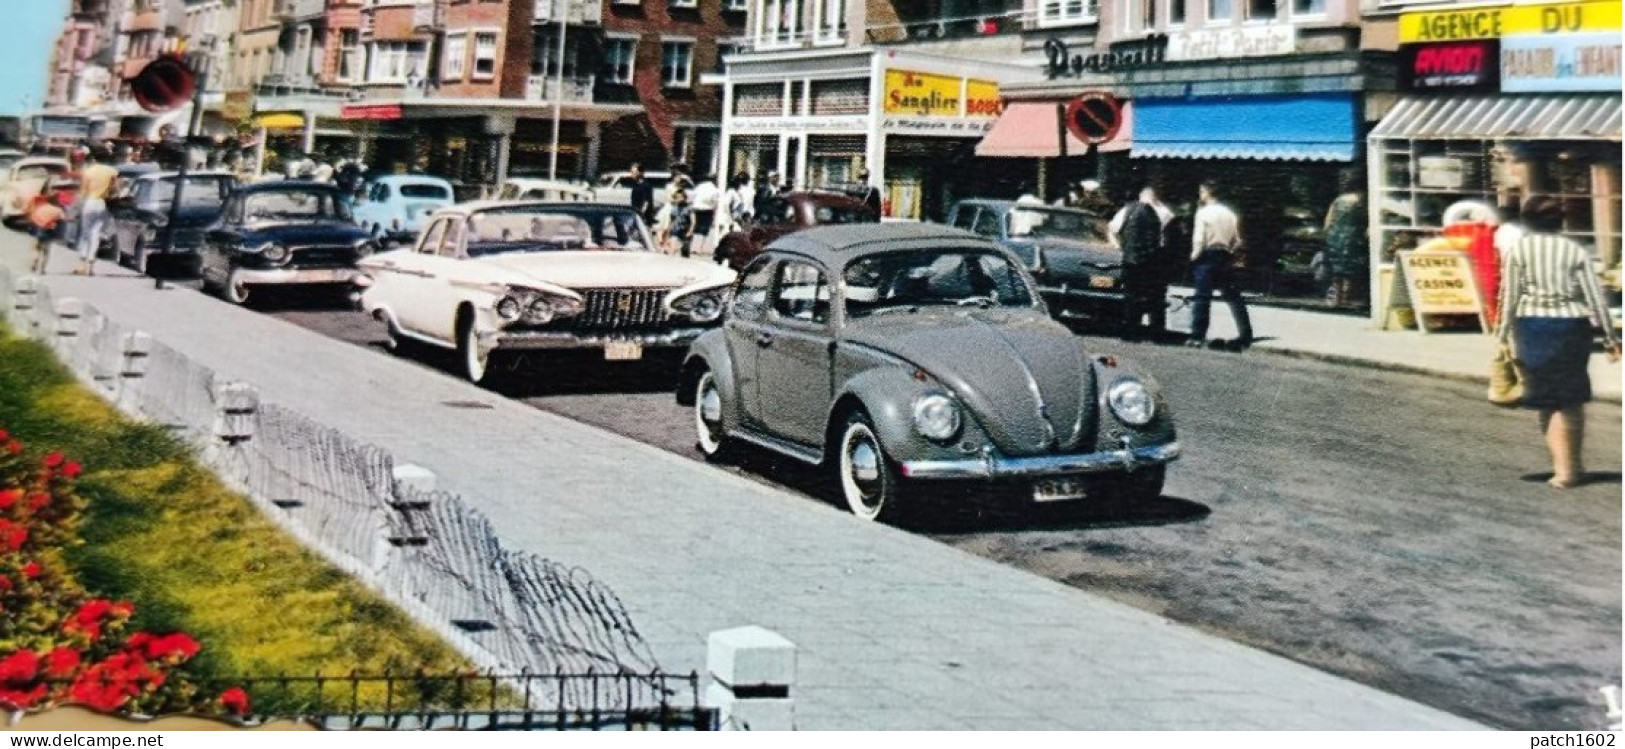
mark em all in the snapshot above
pixel 1030 130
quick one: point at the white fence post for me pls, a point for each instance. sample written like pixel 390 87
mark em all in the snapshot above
pixel 752 670
pixel 236 412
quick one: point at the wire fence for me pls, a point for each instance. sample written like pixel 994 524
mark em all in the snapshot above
pixel 427 551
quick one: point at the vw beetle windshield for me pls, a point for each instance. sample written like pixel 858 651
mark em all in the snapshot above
pixel 525 229
pixel 909 280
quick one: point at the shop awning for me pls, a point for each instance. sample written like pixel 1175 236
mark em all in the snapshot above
pixel 1028 129
pixel 1300 127
pixel 280 121
pixel 1537 117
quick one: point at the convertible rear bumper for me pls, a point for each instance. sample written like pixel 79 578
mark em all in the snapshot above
pixel 996 467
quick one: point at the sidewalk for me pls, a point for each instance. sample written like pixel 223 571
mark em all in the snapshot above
pixel 895 630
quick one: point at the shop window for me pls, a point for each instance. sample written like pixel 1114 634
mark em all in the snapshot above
pixel 485 55
pixel 1220 10
pixel 456 53
pixel 849 96
pixel 1262 10
pixel 620 54
pixel 676 64
pixel 1065 12
pixel 759 100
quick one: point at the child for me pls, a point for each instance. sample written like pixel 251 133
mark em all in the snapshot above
pixel 45 220
pixel 682 222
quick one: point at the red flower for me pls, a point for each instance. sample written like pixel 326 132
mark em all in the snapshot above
pixel 178 646
pixel 121 609
pixel 22 699
pixel 9 497
pixel 38 500
pixel 61 662
pixel 72 469
pixel 5 584
pixel 31 570
pixel 235 701
pixel 88 619
pixel 14 447
pixel 12 535
pixel 21 666
pixel 4 435
pixel 53 460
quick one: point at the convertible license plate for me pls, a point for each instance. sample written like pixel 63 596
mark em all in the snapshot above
pixel 326 275
pixel 1060 488
pixel 1102 282
pixel 623 351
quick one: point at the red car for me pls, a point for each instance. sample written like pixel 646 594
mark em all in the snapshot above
pixel 790 213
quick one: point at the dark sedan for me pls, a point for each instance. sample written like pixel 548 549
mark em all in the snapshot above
pixel 1079 272
pixel 789 213
pixel 279 234
pixel 149 228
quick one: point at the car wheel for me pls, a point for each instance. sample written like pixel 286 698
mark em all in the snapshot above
pixel 476 364
pixel 869 480
pixel 234 290
pixel 713 441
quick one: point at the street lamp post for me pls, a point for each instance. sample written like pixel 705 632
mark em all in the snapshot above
pixel 558 93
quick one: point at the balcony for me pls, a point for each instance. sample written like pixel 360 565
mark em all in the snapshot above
pixel 589 12
pixel 298 10
pixel 576 90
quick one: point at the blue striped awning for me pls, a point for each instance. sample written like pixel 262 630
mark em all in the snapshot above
pixel 1299 127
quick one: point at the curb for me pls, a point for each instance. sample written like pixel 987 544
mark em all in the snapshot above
pixel 1355 361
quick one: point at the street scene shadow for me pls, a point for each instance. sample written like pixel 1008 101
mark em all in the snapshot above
pixel 1590 477
pixel 583 373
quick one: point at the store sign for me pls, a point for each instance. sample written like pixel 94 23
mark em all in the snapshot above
pixel 1513 20
pixel 958 127
pixel 1061 62
pixel 1245 41
pixel 371 112
pixel 62 127
pixel 1455 66
pixel 913 94
pixel 1565 62
pixel 1440 283
pixel 773 125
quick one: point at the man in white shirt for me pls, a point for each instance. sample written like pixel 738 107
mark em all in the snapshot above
pixel 704 198
pixel 1215 236
pixel 1137 230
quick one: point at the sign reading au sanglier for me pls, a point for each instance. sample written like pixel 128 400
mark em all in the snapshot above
pixel 930 95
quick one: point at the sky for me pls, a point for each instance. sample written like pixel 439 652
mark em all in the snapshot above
pixel 27 36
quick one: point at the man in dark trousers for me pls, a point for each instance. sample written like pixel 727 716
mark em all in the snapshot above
pixel 871 193
pixel 1215 238
pixel 643 195
pixel 1138 231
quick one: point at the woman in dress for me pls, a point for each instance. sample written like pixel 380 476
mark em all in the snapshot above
pixel 1346 246
pixel 1549 298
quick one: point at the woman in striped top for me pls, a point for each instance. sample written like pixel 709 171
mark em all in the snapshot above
pixel 1549 298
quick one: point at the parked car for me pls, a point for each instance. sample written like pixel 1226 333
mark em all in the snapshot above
pixel 9 156
pixel 615 188
pixel 1079 271
pixel 396 206
pixel 23 181
pixel 524 188
pixel 791 213
pixel 283 233
pixel 492 279
pixel 148 227
pixel 899 355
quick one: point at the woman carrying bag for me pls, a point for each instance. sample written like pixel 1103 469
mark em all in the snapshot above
pixel 1549 298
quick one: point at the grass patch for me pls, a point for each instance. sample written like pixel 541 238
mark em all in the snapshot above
pixel 163 532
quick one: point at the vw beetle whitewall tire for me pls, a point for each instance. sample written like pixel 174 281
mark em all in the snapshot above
pixel 712 440
pixel 869 480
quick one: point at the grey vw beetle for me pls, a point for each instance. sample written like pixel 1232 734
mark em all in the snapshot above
pixel 903 354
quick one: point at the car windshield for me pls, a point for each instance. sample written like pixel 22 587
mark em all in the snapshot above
pixel 7 159
pixel 200 192
pixel 425 192
pixel 547 228
pixel 908 280
pixel 295 205
pixel 829 214
pixel 1054 223
pixel 37 171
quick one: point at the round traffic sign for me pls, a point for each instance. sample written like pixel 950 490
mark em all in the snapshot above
pixel 1094 117
pixel 164 84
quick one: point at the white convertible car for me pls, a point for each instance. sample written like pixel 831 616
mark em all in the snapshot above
pixel 490 279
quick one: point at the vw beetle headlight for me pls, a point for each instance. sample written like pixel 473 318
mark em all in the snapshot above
pixel 275 253
pixel 936 416
pixel 1131 401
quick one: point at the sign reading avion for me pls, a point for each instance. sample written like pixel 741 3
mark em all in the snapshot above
pixel 1515 49
pixel 929 95
pixel 1512 20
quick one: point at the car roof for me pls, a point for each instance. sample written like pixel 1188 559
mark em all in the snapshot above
pixel 287 185
pixel 824 197
pixel 475 206
pixel 38 160
pixel 398 179
pixel 836 244
pixel 156 175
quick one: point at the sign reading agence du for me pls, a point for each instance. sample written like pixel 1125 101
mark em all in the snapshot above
pixel 1512 20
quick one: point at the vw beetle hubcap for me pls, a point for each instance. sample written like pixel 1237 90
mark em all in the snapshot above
pixel 863 467
pixel 709 409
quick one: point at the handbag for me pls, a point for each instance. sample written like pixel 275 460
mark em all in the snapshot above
pixel 1506 378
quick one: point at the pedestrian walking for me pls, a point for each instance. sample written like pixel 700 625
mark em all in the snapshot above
pixel 1138 230
pixel 871 192
pixel 643 194
pixel 1550 297
pixel 705 198
pixel 679 224
pixel 769 189
pixel 96 184
pixel 1215 238
pixel 45 219
pixel 1347 251
pixel 734 208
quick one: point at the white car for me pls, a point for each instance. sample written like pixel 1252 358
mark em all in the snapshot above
pixel 615 188
pixel 524 188
pixel 493 278
pixel 24 180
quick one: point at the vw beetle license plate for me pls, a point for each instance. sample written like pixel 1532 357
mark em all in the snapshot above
pixel 623 351
pixel 1102 282
pixel 1060 488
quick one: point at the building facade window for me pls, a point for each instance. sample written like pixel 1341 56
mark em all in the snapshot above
pixel 485 55
pixel 737 6
pixel 396 62
pixel 1220 10
pixel 545 60
pixel 1263 10
pixel 725 50
pixel 677 64
pixel 1176 12
pixel 1065 12
pixel 1308 7
pixel 620 56
pixel 349 55
pixel 451 68
pixel 682 3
